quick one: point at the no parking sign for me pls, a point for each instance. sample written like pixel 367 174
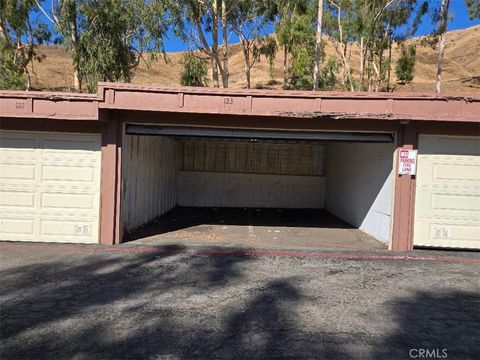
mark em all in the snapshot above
pixel 407 164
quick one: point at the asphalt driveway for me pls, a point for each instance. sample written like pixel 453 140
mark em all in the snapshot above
pixel 93 303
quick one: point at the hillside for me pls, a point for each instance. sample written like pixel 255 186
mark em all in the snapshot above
pixel 461 67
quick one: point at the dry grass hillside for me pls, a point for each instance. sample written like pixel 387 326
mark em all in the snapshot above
pixel 461 67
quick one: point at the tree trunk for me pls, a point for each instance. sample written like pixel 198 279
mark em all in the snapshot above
pixel 389 63
pixel 215 67
pixel 225 45
pixel 246 63
pixel 215 81
pixel 343 50
pixel 29 79
pixel 362 63
pixel 285 66
pixel 443 37
pixel 74 37
pixel 318 47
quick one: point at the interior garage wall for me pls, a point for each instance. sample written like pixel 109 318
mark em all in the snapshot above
pixel 249 174
pixel 250 190
pixel 359 185
pixel 150 174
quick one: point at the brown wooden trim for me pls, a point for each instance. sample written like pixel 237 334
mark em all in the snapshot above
pixel 111 177
pixel 118 209
pixel 404 194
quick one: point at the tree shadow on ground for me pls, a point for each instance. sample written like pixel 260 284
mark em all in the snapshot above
pixel 447 320
pixel 179 305
pixel 150 306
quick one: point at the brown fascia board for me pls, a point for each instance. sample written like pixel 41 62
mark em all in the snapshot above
pixel 278 103
pixel 297 104
pixel 48 105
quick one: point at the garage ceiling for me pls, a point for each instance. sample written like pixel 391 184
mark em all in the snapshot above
pixel 254 134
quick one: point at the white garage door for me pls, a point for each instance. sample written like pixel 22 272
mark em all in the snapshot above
pixel 49 186
pixel 447 205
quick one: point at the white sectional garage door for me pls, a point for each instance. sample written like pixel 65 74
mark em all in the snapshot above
pixel 447 205
pixel 49 186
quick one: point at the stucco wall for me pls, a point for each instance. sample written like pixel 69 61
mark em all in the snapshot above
pixel 150 172
pixel 359 186
pixel 250 190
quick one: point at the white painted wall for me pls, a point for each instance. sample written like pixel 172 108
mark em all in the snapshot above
pixel 359 185
pixel 250 190
pixel 150 173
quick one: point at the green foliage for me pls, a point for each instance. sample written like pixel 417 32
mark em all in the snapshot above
pixel 328 78
pixel 11 75
pixel 295 28
pixel 194 71
pixel 19 38
pixel 114 34
pixel 406 64
pixel 268 48
pixel 473 7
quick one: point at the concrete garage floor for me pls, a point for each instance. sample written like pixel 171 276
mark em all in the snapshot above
pixel 255 228
pixel 78 302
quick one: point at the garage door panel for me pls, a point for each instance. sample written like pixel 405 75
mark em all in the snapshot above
pixel 68 173
pixel 16 228
pixel 20 172
pixel 447 206
pixel 70 201
pixel 455 202
pixel 15 199
pixel 463 173
pixel 460 202
pixel 445 169
pixel 447 234
pixel 53 194
pixel 78 230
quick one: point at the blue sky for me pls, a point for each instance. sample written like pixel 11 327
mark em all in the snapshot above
pixel 457 8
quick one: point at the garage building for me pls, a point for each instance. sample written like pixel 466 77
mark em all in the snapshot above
pixel 94 168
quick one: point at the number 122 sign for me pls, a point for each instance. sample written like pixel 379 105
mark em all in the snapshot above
pixel 407 164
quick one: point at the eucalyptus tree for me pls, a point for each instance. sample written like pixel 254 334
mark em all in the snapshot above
pixel 388 22
pixel 375 25
pixel 197 22
pixel 63 16
pixel 318 47
pixel 442 33
pixel 108 38
pixel 340 26
pixel 295 29
pixel 247 19
pixel 473 7
pixel 20 36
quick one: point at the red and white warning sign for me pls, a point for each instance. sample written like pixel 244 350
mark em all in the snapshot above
pixel 407 164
